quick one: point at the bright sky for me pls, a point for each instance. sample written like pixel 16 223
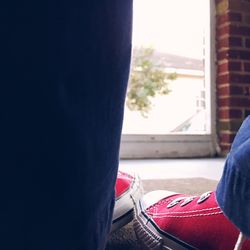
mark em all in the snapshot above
pixel 173 26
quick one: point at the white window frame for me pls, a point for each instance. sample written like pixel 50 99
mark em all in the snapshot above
pixel 181 145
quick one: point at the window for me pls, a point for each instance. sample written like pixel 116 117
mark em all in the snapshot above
pixel 174 117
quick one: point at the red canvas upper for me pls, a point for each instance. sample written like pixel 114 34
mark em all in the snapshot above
pixel 123 183
pixel 200 224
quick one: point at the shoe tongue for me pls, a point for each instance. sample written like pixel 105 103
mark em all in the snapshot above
pixel 153 197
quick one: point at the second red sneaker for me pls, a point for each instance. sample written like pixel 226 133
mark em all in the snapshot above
pixel 167 220
pixel 128 189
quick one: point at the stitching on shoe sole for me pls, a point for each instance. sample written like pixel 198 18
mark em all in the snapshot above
pixel 150 239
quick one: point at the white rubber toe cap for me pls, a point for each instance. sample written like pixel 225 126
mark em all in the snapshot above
pixel 153 197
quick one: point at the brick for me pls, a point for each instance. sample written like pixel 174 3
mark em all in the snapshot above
pixel 229 54
pixel 235 16
pixel 239 30
pixel 246 113
pixel 244 55
pixel 222 55
pixel 234 54
pixel 234 102
pixel 222 19
pixel 247 43
pixel 223 67
pixel 227 137
pixel 224 126
pixel 247 66
pixel 222 7
pixel 233 78
pixel 225 102
pixel 246 91
pixel 224 91
pixel 230 90
pixel 223 79
pixel 234 66
pixel 227 42
pixel 219 1
pixel 224 149
pixel 245 5
pixel 240 5
pixel 228 17
pixel 240 102
pixel 230 113
pixel 236 90
pixel 223 43
pixel 230 125
pixel 235 41
pixel 238 78
pixel 247 19
pixel 223 31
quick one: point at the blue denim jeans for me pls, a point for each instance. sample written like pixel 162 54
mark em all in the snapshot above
pixel 233 191
pixel 64 71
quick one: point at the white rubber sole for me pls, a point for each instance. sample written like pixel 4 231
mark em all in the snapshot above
pixel 124 206
pixel 151 236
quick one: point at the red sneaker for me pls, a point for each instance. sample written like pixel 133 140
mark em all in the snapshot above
pixel 166 220
pixel 128 189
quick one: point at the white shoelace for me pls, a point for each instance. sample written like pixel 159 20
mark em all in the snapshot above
pixel 239 242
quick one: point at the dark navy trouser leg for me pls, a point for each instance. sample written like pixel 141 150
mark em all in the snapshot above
pixel 233 191
pixel 64 71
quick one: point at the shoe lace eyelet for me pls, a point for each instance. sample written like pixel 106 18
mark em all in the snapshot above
pixel 175 202
pixel 204 197
pixel 187 201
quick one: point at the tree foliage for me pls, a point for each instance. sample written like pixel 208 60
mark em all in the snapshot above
pixel 147 79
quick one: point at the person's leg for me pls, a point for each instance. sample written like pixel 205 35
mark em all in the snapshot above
pixel 64 70
pixel 233 191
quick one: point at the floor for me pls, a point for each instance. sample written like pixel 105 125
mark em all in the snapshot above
pixel 210 168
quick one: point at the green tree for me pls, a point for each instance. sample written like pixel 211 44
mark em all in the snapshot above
pixel 147 79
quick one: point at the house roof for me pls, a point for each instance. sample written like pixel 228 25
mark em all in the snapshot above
pixel 172 61
pixel 178 62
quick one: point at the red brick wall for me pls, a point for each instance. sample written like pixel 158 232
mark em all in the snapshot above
pixel 233 67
